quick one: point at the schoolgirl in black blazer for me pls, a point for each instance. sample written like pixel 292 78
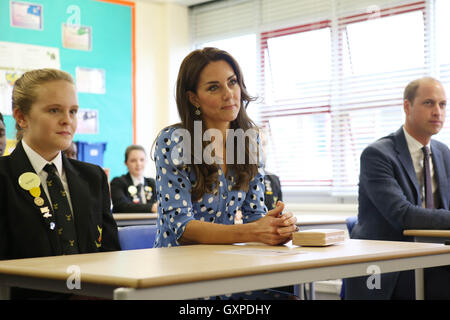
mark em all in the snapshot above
pixel 44 107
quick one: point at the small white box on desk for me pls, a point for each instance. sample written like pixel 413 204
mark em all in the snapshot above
pixel 318 237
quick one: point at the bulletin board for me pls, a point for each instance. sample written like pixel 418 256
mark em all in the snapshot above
pixel 93 40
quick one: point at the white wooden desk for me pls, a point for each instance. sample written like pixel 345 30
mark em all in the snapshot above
pixel 304 221
pixel 134 219
pixel 204 270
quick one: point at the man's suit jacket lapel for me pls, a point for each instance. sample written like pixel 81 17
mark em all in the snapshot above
pixel 19 165
pixel 78 195
pixel 440 174
pixel 405 158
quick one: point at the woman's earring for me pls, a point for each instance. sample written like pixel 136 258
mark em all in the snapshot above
pixel 197 111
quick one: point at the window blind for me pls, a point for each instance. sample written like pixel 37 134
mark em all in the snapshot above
pixel 382 47
pixel 223 19
pixel 330 76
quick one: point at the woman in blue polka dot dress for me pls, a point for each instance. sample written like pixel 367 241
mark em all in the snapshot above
pixel 205 174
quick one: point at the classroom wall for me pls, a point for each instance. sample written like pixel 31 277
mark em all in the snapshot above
pixel 162 41
pixel 110 50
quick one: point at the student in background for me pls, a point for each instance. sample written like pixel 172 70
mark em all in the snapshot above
pixel 272 192
pixel 72 151
pixel 2 135
pixel 133 192
pixel 50 205
pixel 198 199
pixel 404 184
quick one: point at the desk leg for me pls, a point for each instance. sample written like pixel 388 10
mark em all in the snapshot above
pixel 4 293
pixel 420 289
pixel 298 291
pixel 312 293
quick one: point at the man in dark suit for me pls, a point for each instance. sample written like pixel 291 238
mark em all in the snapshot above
pixel 401 187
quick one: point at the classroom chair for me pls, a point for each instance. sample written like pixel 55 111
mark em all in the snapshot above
pixel 137 237
pixel 350 221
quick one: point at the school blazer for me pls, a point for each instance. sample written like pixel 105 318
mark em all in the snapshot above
pixel 390 202
pixel 122 199
pixel 25 233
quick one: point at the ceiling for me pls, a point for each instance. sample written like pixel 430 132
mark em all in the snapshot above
pixel 180 2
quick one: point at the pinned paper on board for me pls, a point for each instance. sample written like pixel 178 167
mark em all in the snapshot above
pixel 87 121
pixel 90 80
pixel 76 37
pixel 16 59
pixel 26 15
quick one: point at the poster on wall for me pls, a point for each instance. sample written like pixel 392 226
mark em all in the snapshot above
pixel 7 79
pixel 87 121
pixel 76 37
pixel 26 15
pixel 17 58
pixel 90 80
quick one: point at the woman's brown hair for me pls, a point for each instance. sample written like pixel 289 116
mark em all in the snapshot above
pixel 188 77
pixel 24 91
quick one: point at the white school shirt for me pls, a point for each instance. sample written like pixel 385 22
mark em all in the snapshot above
pixel 136 181
pixel 415 149
pixel 38 163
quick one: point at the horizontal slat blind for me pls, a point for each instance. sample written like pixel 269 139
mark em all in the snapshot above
pixel 223 19
pixel 331 75
pixel 281 13
pixel 371 77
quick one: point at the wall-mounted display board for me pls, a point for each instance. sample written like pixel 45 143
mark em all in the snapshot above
pixel 93 40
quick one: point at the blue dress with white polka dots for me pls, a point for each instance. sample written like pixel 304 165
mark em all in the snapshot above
pixel 176 208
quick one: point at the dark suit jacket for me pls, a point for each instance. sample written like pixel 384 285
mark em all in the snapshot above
pixel 25 233
pixel 122 199
pixel 390 202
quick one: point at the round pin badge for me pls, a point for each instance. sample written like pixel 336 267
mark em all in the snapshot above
pixel 38 201
pixel 29 180
pixel 132 190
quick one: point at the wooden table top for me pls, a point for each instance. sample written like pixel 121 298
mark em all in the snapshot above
pixel 427 233
pixel 165 266
pixel 302 219
pixel 134 216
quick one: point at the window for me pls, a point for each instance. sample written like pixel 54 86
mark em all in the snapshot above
pixel 330 76
pixel 296 105
pixel 330 92
pixel 379 57
pixel 443 55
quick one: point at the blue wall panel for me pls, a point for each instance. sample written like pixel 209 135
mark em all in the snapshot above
pixel 111 50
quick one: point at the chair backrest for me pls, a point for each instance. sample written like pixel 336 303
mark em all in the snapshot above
pixel 351 221
pixel 137 237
